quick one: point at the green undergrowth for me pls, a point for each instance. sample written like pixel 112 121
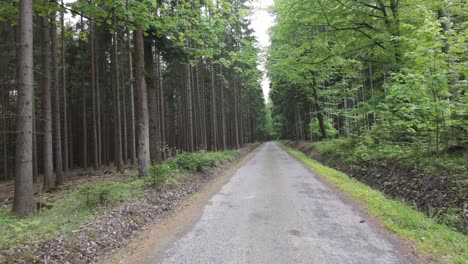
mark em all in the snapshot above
pixel 164 175
pixel 66 213
pixel 439 241
pixel 73 206
pixel 365 149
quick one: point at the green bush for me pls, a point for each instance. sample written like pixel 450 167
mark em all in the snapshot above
pixel 186 162
pixel 190 162
pixel 159 175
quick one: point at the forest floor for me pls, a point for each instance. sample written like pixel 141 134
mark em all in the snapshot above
pixel 76 177
pixel 95 214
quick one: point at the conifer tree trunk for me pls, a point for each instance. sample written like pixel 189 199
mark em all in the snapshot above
pixel 223 112
pixel 98 105
pixel 49 179
pixel 143 121
pixel 118 126
pixel 153 104
pixel 23 203
pixel 189 135
pixel 131 99
pixel 56 103
pixel 214 125
pixel 94 82
pixel 161 105
pixel 84 138
pixel 236 118
pixel 64 94
pixel 35 169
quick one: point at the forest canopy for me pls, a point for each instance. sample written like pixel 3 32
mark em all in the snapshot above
pixel 395 71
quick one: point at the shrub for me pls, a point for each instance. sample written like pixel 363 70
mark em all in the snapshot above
pixel 186 162
pixel 159 175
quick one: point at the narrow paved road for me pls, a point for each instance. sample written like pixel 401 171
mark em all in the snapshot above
pixel 274 210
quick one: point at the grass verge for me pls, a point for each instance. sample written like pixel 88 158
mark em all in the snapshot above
pixel 69 208
pixel 439 241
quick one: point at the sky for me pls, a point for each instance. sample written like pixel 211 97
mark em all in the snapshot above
pixel 261 21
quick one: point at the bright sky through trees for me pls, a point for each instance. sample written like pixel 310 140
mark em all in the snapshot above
pixel 262 20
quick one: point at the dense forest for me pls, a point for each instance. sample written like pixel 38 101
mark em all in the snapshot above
pixel 397 69
pixel 383 85
pixel 105 84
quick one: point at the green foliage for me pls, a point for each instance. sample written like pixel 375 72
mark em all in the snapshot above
pixel 314 128
pixel 8 11
pixel 190 162
pixel 440 241
pixel 377 69
pixel 186 162
pixel 159 175
pixel 74 207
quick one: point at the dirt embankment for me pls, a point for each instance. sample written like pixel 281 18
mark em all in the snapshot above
pixel 442 196
pixel 117 226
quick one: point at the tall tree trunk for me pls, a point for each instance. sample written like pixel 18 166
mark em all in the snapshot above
pixel 153 105
pixel 124 126
pixel 131 99
pixel 83 110
pixel 93 96
pixel 214 125
pixel 64 88
pixel 236 118
pixel 23 203
pixel 143 121
pixel 49 179
pixel 35 167
pixel 189 105
pixel 223 111
pixel 98 106
pixel 161 106
pixel 118 126
pixel 56 103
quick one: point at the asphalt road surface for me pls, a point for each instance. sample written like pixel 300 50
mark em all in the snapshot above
pixel 274 210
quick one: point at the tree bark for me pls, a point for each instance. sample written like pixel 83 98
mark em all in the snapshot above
pixel 64 88
pixel 93 97
pixel 132 142
pixel 118 126
pixel 56 103
pixel 143 122
pixel 214 125
pixel 49 179
pixel 23 203
pixel 153 102
pixel 223 111
pixel 161 107
pixel 83 109
pixel 189 135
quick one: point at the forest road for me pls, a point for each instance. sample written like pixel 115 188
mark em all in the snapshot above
pixel 275 210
